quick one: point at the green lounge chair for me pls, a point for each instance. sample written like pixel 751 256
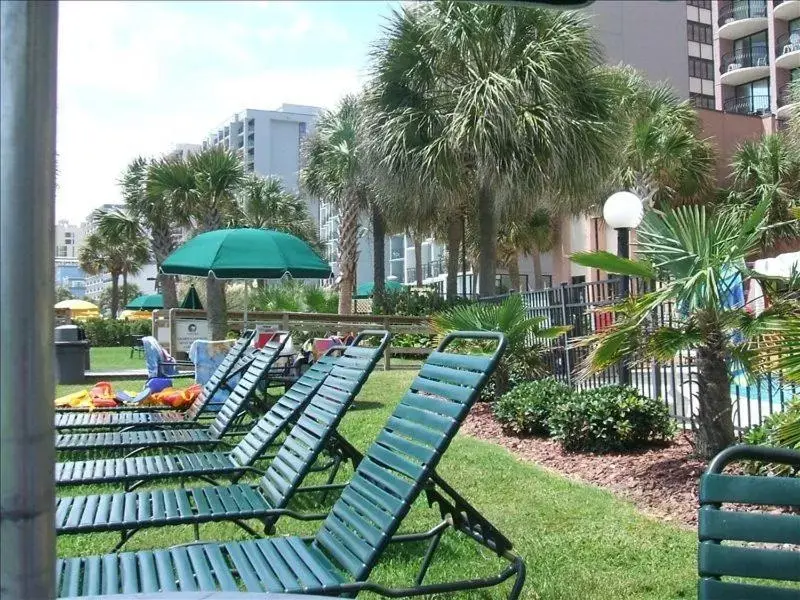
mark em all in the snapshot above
pixel 183 438
pixel 131 512
pixel 232 464
pixel 239 348
pixel 398 466
pixel 717 527
pixel 118 417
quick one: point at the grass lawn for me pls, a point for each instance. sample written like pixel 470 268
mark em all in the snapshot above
pixel 578 542
pixel 115 359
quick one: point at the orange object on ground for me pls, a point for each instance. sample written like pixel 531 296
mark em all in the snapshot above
pixel 176 398
pixel 102 395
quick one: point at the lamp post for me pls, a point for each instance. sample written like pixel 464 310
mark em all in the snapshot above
pixel 623 211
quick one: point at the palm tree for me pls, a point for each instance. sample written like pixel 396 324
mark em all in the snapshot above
pixel 108 254
pixel 768 170
pixel 124 235
pixel 202 192
pixel 334 171
pixel 531 235
pixel 694 254
pixel 500 99
pixel 661 158
pixel 264 203
pixel 508 317
pixel 148 215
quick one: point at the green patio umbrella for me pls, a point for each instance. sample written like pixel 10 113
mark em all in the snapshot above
pixel 246 254
pixel 146 302
pixel 365 290
pixel 192 300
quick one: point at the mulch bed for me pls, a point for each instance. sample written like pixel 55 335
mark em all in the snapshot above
pixel 660 481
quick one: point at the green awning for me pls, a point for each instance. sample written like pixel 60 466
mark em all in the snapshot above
pixel 246 254
pixel 146 302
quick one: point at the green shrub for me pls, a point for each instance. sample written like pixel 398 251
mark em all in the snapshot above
pixel 778 430
pixel 526 409
pixel 111 332
pixel 610 418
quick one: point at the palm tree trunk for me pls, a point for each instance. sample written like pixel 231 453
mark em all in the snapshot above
pixel 453 245
pixel 348 253
pixel 714 415
pixel 536 256
pixel 124 288
pixel 114 295
pixel 513 273
pixel 169 291
pixel 418 260
pixel 378 258
pixel 487 238
pixel 163 245
pixel 216 308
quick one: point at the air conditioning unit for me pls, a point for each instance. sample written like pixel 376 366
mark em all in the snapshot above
pixel 733 67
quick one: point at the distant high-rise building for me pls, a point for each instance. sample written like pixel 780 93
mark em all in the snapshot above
pixel 757 54
pixel 183 151
pixel 68 238
pixel 269 142
pixel 700 38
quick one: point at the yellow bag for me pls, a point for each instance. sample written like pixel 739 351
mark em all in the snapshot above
pixel 80 399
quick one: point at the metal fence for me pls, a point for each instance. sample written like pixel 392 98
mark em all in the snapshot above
pixel 584 307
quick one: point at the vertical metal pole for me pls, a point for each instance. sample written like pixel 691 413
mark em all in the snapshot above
pixel 623 250
pixel 463 257
pixel 28 35
pixel 565 321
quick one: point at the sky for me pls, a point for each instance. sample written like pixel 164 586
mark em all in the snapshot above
pixel 136 78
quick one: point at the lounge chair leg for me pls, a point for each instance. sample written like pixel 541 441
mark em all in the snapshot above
pixel 428 558
pixel 248 529
pixel 337 462
pixel 519 581
pixel 124 537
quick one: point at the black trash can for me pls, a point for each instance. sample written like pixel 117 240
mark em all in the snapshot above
pixel 71 354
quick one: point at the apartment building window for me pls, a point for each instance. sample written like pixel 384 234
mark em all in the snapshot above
pixel 701 100
pixel 706 4
pixel 699 32
pixel 699 67
pixel 751 51
pixel 61 252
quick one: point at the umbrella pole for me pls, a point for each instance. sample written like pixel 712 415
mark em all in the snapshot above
pixel 246 287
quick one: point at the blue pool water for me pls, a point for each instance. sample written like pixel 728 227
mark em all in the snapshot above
pixel 768 390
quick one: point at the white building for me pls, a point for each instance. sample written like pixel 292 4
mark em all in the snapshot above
pixel 183 151
pixel 68 238
pixel 268 141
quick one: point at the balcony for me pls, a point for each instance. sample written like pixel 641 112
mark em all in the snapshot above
pixel 739 20
pixel 741 66
pixel 785 105
pixel 787 50
pixel 786 10
pixel 747 105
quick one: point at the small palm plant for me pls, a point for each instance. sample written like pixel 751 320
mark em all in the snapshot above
pixel 694 253
pixel 524 333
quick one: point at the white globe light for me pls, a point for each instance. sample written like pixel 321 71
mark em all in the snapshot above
pixel 623 210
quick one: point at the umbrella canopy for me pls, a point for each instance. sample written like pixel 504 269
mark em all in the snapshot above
pixel 365 290
pixel 77 305
pixel 146 302
pixel 246 254
pixel 192 300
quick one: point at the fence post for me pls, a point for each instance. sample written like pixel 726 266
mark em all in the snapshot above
pixel 387 353
pixel 567 364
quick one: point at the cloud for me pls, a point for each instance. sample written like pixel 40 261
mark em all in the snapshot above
pixel 136 78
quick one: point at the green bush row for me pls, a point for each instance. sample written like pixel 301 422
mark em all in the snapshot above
pixel 605 419
pixel 111 332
